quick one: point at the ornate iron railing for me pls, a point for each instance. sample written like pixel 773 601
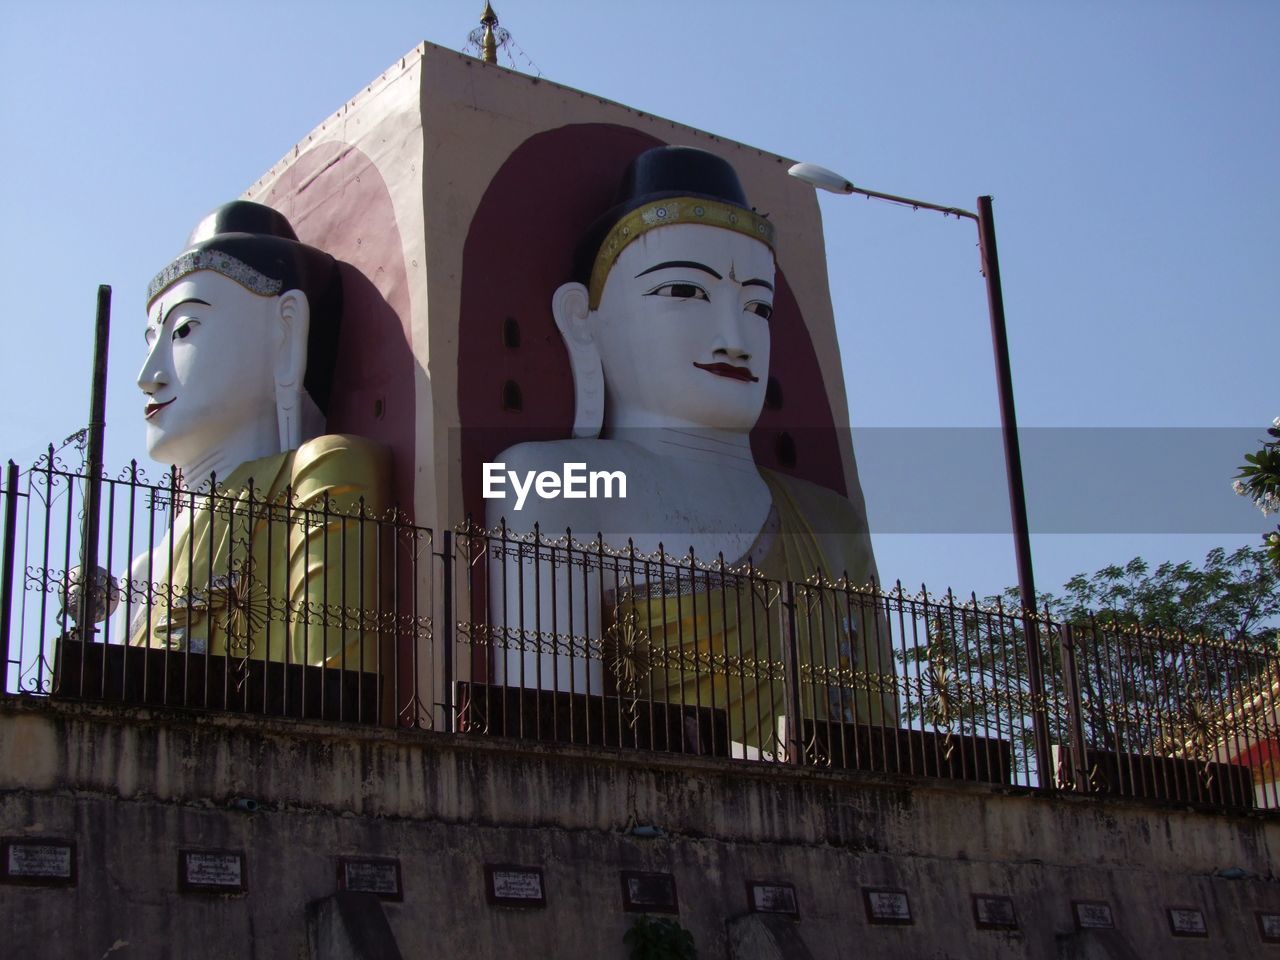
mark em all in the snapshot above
pixel 236 600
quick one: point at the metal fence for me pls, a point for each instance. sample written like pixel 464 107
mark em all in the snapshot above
pixel 269 603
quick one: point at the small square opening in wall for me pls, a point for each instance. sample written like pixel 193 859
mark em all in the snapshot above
pixel 770 896
pixel 1269 927
pixel 1187 922
pixel 40 861
pixel 513 886
pixel 1093 914
pixel 645 892
pixel 211 871
pixel 376 875
pixel 886 905
pixel 992 912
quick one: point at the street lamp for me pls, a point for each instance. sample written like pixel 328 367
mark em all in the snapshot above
pixel 828 180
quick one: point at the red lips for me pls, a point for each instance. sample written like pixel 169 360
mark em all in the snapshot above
pixel 152 409
pixel 728 370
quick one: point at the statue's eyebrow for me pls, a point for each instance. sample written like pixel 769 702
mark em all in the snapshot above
pixel 680 263
pixel 757 282
pixel 203 303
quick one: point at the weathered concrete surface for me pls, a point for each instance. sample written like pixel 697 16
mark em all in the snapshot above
pixel 133 786
pixel 350 926
pixel 758 936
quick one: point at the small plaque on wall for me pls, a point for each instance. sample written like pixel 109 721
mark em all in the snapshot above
pixel 1187 922
pixel 1093 914
pixel 644 892
pixel 993 912
pixel 886 906
pixel 42 861
pixel 772 897
pixel 211 871
pixel 1269 927
pixel 513 886
pixel 376 875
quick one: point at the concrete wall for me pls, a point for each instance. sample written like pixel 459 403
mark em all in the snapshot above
pixel 132 787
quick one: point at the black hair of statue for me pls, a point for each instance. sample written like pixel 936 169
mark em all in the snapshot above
pixel 661 173
pixel 264 239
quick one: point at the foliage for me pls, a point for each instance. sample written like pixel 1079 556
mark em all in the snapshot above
pixel 1233 596
pixel 659 939
pixel 1156 652
pixel 1259 478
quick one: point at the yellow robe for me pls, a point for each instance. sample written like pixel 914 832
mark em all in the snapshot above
pixel 270 576
pixel 700 640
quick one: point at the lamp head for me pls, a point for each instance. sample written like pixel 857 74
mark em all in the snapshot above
pixel 821 177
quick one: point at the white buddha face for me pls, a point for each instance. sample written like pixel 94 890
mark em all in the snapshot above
pixel 208 376
pixel 683 329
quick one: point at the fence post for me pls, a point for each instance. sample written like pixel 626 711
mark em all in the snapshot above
pixel 1075 711
pixel 93 468
pixel 791 668
pixel 6 571
pixel 447 632
pixel 1039 698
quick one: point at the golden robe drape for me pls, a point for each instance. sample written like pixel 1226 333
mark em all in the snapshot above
pixel 712 641
pixel 266 569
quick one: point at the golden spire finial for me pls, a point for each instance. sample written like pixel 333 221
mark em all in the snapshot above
pixel 489 20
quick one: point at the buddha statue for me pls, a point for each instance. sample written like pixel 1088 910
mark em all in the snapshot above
pixel 266 555
pixel 667 324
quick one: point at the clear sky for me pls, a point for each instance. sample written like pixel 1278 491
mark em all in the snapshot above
pixel 1131 149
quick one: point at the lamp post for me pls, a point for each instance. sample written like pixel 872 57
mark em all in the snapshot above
pixel 826 179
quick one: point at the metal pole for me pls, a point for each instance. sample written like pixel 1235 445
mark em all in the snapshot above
pixel 93 486
pixel 1017 495
pixel 447 632
pixel 6 572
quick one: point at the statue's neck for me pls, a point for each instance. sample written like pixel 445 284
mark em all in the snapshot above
pixel 730 449
pixel 255 441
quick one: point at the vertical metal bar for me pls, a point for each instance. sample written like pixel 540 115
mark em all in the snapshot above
pixel 323 623
pixel 976 701
pixel 108 587
pixel 129 552
pixel 1079 780
pixel 705 595
pixel 396 625
pixel 1017 495
pixel 795 746
pixel 93 485
pixel 446 635
pixel 44 565
pixel 6 568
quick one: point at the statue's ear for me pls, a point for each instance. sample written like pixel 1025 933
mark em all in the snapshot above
pixel 294 314
pixel 569 307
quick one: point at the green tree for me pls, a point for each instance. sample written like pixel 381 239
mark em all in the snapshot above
pixel 1259 478
pixel 1162 656
pixel 651 938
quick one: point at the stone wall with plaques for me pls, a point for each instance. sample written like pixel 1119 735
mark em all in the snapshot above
pixel 203 833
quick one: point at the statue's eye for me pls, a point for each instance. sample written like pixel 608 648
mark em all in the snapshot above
pixel 185 329
pixel 760 308
pixel 679 291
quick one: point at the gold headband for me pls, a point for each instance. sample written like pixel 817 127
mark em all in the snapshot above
pixel 663 213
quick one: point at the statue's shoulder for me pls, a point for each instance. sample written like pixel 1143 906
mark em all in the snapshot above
pixel 523 462
pixel 597 454
pixel 837 524
pixel 343 465
pixel 824 508
pixel 339 445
